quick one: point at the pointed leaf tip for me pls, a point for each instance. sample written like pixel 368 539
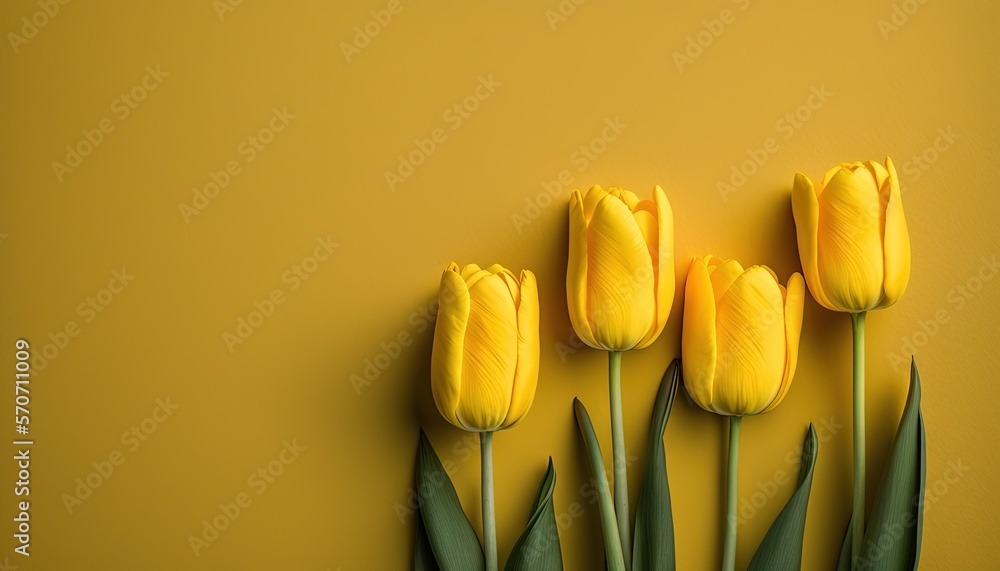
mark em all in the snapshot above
pixel 903 479
pixel 781 548
pixel 654 527
pixel 538 547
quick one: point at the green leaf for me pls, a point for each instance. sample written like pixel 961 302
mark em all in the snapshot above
pixel 654 523
pixel 538 547
pixel 450 535
pixel 423 557
pixel 892 537
pixel 781 548
pixel 844 563
pixel 609 525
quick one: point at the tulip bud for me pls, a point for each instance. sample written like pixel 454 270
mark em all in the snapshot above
pixel 620 275
pixel 740 337
pixel 852 236
pixel 484 365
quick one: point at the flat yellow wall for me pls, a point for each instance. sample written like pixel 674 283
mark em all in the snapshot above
pixel 298 116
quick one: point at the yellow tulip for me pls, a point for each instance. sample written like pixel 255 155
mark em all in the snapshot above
pixel 852 236
pixel 484 364
pixel 620 276
pixel 740 336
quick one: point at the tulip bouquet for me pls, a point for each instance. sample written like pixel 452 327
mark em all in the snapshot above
pixel 739 348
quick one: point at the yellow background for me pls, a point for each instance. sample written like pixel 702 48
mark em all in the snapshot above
pixel 341 503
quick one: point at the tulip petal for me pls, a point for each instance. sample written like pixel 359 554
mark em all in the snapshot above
pixel 773 275
pixel 620 302
pixel 896 242
pixel 794 301
pixel 646 221
pixel 628 197
pixel 490 356
pixel 594 195
pixel 805 209
pixel 850 242
pixel 509 280
pixel 829 174
pixel 662 256
pixel 751 344
pixel 469 270
pixel 526 371
pixel 449 340
pixel 576 270
pixel 879 171
pixel 698 338
pixel 723 276
pixel 866 175
pixel 472 273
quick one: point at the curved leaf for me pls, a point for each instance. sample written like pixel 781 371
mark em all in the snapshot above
pixel 538 547
pixel 781 548
pixel 892 537
pixel 454 543
pixel 654 524
pixel 844 563
pixel 423 557
pixel 609 525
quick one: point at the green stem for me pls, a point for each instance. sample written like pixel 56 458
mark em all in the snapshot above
pixel 489 514
pixel 858 518
pixel 729 551
pixel 612 541
pixel 619 455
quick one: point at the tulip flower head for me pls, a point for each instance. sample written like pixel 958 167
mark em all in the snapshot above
pixel 620 275
pixel 852 236
pixel 740 337
pixel 484 365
